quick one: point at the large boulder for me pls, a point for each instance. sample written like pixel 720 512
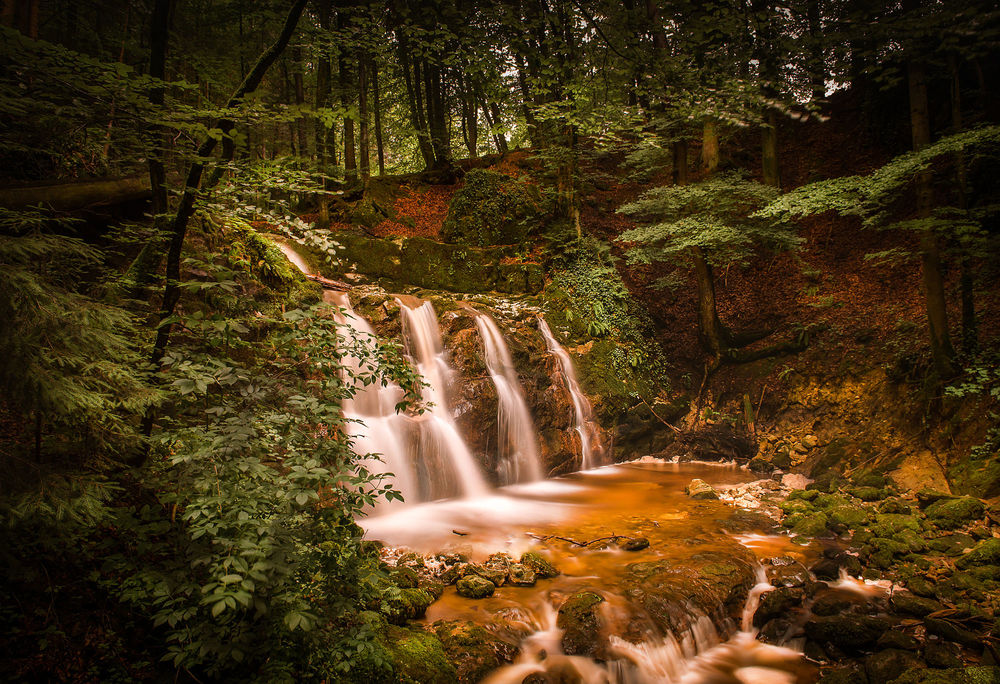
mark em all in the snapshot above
pixel 580 622
pixel 951 513
pixel 475 587
pixel 490 209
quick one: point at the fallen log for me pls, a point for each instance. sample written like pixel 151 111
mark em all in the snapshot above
pixel 328 284
pixel 77 195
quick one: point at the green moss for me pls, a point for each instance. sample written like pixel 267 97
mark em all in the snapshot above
pixel 542 567
pixel 579 621
pixel 851 516
pixel 985 553
pixel 475 587
pixel 406 604
pixel 472 650
pixel 418 657
pixel 811 525
pixel 952 513
pixel 491 209
pixel 968 675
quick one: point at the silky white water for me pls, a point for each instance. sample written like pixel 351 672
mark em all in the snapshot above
pixel 591 449
pixel 517 439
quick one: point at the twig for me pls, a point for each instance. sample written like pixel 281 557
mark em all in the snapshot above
pixel 459 533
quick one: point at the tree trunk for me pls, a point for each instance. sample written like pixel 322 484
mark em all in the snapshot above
pixel 769 147
pixel 970 326
pixel 324 78
pixel 377 106
pixel 363 142
pixel 712 333
pixel 158 34
pixel 300 100
pixel 709 148
pixel 350 160
pixel 413 86
pixel 930 254
pixel 186 207
pixel 817 66
pixel 680 166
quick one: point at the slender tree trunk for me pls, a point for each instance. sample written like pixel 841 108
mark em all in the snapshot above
pixel 412 79
pixel 363 142
pixel 497 122
pixel 377 106
pixel 300 100
pixel 970 327
pixel 930 254
pixel 680 166
pixel 186 207
pixel 817 66
pixel 713 334
pixel 324 85
pixel 769 147
pixel 709 147
pixel 350 160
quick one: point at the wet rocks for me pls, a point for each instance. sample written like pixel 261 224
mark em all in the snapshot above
pixel 475 587
pixel 408 604
pixel 952 513
pixel 701 490
pixel 958 675
pixel 634 544
pixel 520 575
pixel 887 665
pixel 580 621
pixel 848 633
pixel 917 606
pixel 539 565
pixel 985 553
pixel 777 604
pixel 472 650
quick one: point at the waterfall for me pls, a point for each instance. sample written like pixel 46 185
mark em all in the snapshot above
pixel 591 449
pixel 444 463
pixel 517 438
pixel 373 423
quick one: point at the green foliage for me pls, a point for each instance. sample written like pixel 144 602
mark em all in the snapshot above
pixel 598 304
pixel 714 216
pixel 876 197
pixel 490 209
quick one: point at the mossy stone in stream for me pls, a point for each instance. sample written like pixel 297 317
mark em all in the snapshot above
pixel 889 524
pixel 949 631
pixel 952 544
pixel 520 575
pixel 542 567
pixel 475 587
pixel 488 571
pixel 405 577
pixel 942 654
pixel 473 651
pixel 811 525
pixel 793 506
pixel 966 675
pixel 803 495
pixel 849 516
pixel 418 657
pixel 951 513
pixel 849 633
pixel 701 490
pixel 580 622
pixel 917 606
pixel 895 505
pixel 408 604
pixel 847 675
pixel 884 666
pixel 777 604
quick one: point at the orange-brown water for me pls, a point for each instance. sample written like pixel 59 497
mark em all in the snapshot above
pixel 634 500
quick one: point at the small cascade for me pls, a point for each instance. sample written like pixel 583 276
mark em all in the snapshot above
pixel 373 423
pixel 517 438
pixel 445 467
pixel 293 256
pixel 591 449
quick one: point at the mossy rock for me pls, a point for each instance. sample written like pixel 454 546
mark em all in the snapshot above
pixel 580 622
pixel 404 577
pixel 884 666
pixel 520 575
pixel 488 571
pixel 803 494
pixel 849 516
pixel 795 506
pixel 917 606
pixel 811 525
pixel 409 604
pixel 895 505
pixel 490 209
pixel 475 587
pixel 541 567
pixel 418 657
pixel 985 553
pixel 869 493
pixel 951 513
pixel 472 650
pixel 966 675
pixel 849 633
pixel 888 524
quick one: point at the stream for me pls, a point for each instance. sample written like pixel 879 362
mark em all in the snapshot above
pixel 643 499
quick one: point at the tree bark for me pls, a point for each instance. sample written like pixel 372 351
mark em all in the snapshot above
pixel 300 100
pixel 350 160
pixel 363 141
pixel 186 207
pixel 680 165
pixel 377 106
pixel 712 333
pixel 324 78
pixel 930 254
pixel 817 66
pixel 970 326
pixel 709 147
pixel 769 148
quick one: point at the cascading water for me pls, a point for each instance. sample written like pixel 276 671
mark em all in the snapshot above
pixel 517 439
pixel 444 464
pixel 591 449
pixel 373 423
